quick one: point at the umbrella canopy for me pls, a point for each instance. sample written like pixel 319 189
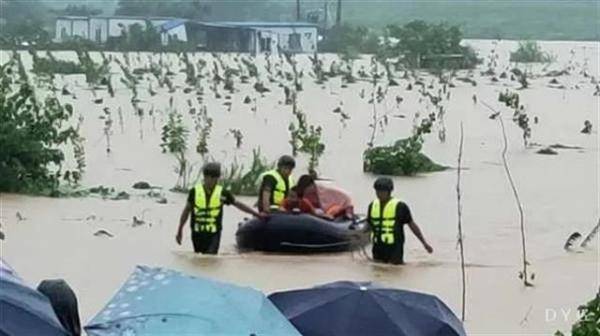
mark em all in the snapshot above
pixel 24 311
pixel 156 301
pixel 354 308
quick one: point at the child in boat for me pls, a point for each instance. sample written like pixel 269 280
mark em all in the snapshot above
pixel 295 202
pixel 326 199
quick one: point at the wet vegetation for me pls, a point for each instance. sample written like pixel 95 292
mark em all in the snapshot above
pixel 244 181
pixel 529 52
pixel 33 132
pixel 589 320
pixel 404 157
pixel 174 141
pixel 50 65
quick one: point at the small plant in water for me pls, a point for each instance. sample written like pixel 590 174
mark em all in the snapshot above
pixel 203 126
pixel 244 182
pixel 520 117
pixel 238 136
pixel 107 128
pixel 174 141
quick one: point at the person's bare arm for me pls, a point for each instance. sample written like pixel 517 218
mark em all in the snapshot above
pixel 247 209
pixel 266 196
pixel 182 219
pixel 417 232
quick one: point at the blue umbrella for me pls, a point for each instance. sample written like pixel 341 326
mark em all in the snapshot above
pixel 354 308
pixel 156 301
pixel 23 310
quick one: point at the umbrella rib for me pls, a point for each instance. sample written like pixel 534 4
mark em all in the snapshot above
pixel 420 309
pixel 416 309
pixel 319 305
pixel 98 325
pixel 41 318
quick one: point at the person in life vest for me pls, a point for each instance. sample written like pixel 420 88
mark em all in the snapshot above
pixel 275 185
pixel 386 215
pixel 205 204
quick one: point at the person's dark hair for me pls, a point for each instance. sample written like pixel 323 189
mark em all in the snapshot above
pixel 295 189
pixel 286 161
pixel 384 184
pixel 64 303
pixel 212 169
pixel 304 182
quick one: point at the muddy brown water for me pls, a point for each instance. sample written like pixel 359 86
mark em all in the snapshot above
pixel 559 193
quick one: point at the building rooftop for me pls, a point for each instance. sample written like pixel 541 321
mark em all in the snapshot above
pixel 172 24
pixel 268 24
pixel 122 17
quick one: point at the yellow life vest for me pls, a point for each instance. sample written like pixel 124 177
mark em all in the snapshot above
pixel 383 221
pixel 281 189
pixel 206 214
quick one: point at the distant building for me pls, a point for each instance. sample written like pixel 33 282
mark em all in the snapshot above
pixel 173 31
pixel 294 37
pixel 100 28
pixel 252 37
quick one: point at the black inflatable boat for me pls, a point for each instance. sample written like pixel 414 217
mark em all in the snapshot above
pixel 301 233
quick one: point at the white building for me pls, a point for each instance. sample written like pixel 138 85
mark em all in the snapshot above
pixel 172 31
pixel 71 26
pixel 295 37
pixel 253 37
pixel 100 28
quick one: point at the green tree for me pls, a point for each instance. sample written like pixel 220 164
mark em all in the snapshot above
pixel 184 9
pixel 78 10
pixel 529 52
pixel 32 135
pixel 350 40
pixel 589 323
pixel 424 45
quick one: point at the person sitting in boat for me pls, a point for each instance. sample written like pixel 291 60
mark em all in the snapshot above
pixel 295 202
pixel 275 184
pixel 326 199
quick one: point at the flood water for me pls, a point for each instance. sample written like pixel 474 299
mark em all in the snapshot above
pixel 560 193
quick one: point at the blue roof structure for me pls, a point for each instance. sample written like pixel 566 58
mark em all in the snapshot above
pixel 172 24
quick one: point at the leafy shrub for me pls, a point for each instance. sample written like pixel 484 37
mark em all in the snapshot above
pixel 589 323
pixel 174 140
pixel 245 182
pixel 404 158
pixel 51 65
pixel 350 40
pixel 305 138
pixel 94 73
pixel 136 37
pixel 73 43
pixel 529 52
pixel 423 45
pixel 31 134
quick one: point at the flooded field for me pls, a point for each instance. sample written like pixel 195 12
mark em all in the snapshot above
pixel 54 237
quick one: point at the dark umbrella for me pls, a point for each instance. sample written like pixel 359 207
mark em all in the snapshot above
pixel 354 308
pixel 23 310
